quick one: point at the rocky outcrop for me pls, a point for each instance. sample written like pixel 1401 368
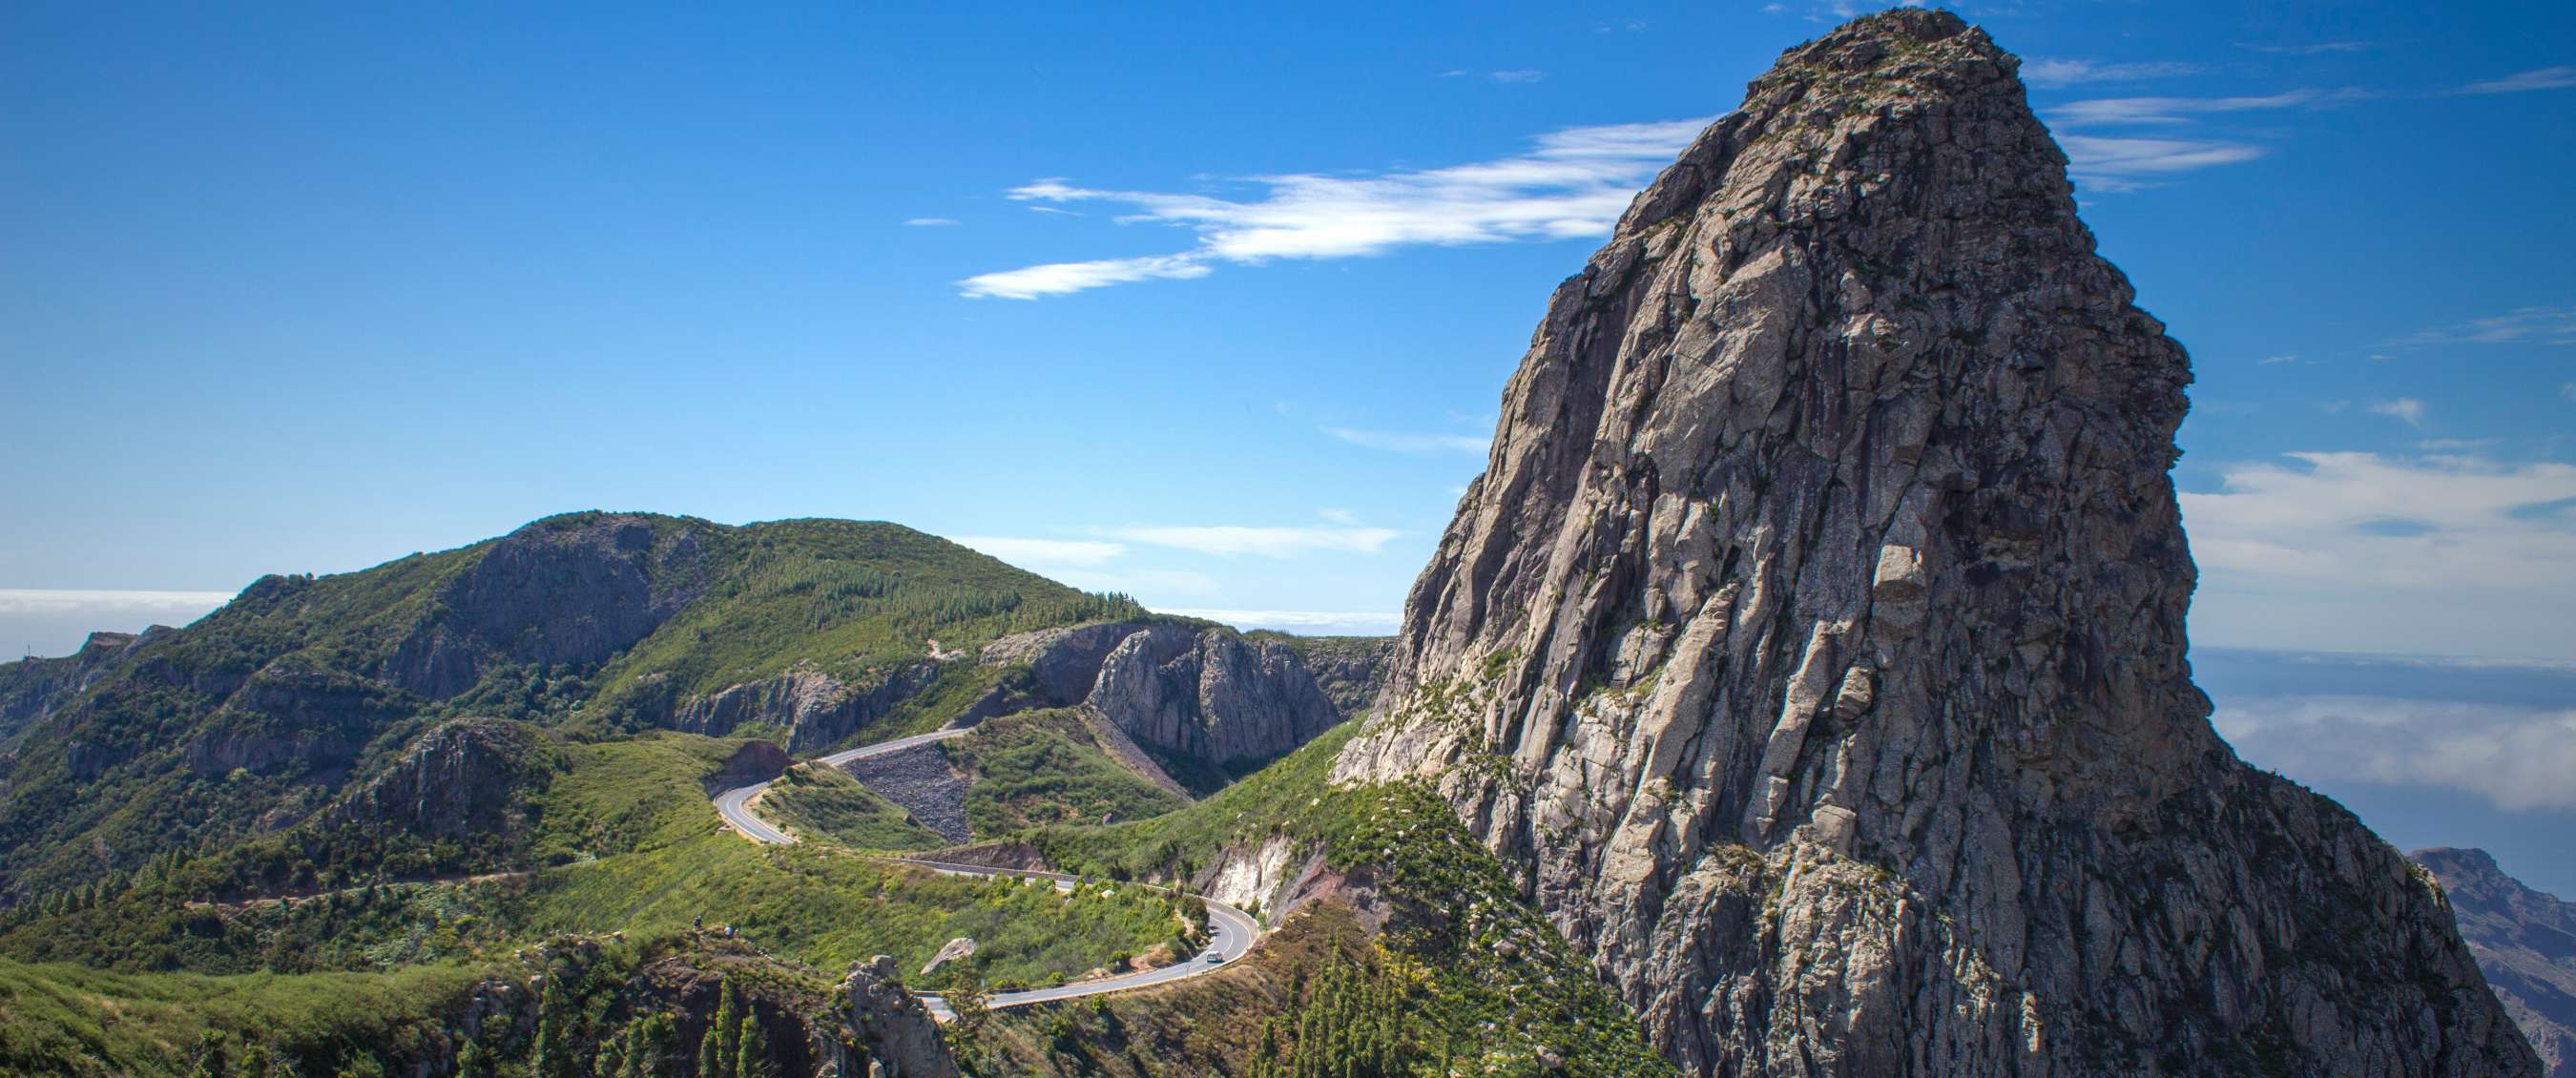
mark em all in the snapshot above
pixel 1210 695
pixel 815 708
pixel 866 1026
pixel 2525 941
pixel 570 590
pixel 955 950
pixel 896 1035
pixel 466 776
pixel 33 688
pixel 1815 634
pixel 1350 669
pixel 1063 664
pixel 296 720
pixel 1207 694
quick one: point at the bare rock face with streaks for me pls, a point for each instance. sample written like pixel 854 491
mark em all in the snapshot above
pixel 1815 634
pixel 2525 940
pixel 1211 695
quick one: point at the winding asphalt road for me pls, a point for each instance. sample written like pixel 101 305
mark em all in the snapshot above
pixel 1230 931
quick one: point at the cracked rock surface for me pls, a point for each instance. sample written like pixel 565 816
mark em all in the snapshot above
pixel 1815 634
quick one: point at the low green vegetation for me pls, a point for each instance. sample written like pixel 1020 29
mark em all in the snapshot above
pixel 1043 767
pixel 1289 797
pixel 848 598
pixel 816 801
pixel 1464 970
pixel 272 706
pixel 71 1020
pixel 623 839
pixel 829 907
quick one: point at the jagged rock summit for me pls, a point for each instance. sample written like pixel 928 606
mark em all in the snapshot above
pixel 1815 634
pixel 2525 940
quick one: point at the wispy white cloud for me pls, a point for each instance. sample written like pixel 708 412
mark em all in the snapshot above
pixel 1268 542
pixel 1401 442
pixel 1058 278
pixel 2546 78
pixel 2406 408
pixel 2444 523
pixel 1148 584
pixel 1338 516
pixel 2107 111
pixel 2567 390
pixel 2271 361
pixel 2523 325
pixel 1366 623
pixel 2515 758
pixel 1523 75
pixel 1019 551
pixel 930 222
pixel 2055 72
pixel 2127 164
pixel 2433 553
pixel 1573 184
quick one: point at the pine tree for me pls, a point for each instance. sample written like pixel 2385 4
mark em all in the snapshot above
pixel 642 1058
pixel 214 1056
pixel 550 1059
pixel 751 1048
pixel 716 1054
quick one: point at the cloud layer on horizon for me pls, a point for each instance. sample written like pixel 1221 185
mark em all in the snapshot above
pixel 2515 758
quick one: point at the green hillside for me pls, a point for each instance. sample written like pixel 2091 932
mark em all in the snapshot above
pixel 594 623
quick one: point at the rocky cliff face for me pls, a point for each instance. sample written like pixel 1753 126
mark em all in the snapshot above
pixel 815 708
pixel 2525 941
pixel 1815 634
pixel 32 688
pixel 566 590
pixel 465 776
pixel 1208 694
pixel 1350 669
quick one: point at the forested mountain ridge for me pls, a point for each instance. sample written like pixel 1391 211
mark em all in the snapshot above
pixel 593 624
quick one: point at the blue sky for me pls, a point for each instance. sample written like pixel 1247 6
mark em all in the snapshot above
pixel 1209 306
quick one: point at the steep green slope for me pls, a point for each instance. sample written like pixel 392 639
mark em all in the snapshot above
pixel 1045 767
pixel 820 801
pixel 1462 972
pixel 852 601
pixel 616 836
pixel 570 1005
pixel 68 1020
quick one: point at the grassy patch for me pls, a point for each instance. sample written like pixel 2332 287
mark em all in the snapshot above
pixel 852 599
pixel 829 907
pixel 624 839
pixel 71 1020
pixel 1042 767
pixel 822 802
